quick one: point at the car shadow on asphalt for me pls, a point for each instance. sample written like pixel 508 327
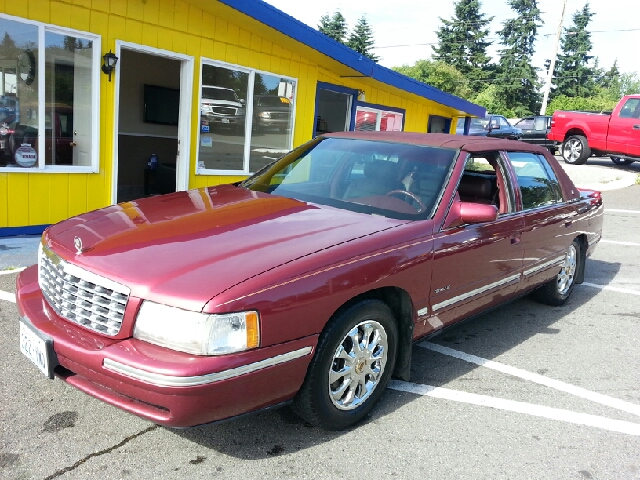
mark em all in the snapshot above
pixel 489 335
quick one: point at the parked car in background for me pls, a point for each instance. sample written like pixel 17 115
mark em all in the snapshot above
pixel 494 126
pixel 535 129
pixel 221 106
pixel 616 135
pixel 271 111
pixel 308 282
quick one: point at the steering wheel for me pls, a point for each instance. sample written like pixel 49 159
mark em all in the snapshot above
pixel 413 197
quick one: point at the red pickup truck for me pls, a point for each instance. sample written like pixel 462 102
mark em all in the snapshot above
pixel 584 134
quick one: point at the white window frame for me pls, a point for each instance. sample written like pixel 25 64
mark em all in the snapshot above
pixel 248 113
pixel 95 100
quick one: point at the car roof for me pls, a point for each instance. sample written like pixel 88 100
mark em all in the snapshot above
pixel 471 144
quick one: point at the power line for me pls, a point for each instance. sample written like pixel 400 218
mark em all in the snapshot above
pixel 498 38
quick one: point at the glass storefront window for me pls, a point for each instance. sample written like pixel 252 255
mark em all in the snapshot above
pixel 246 119
pixel 272 123
pixel 370 119
pixel 222 118
pixel 64 113
pixel 68 71
pixel 19 118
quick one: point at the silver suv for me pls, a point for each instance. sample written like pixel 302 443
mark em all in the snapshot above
pixel 221 106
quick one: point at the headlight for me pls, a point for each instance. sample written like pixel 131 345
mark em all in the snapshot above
pixel 197 333
pixel 3 130
pixel 265 114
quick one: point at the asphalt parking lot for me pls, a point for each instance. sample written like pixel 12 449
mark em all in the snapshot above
pixel 525 391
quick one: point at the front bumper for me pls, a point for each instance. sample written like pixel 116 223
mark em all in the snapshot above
pixel 167 387
pixel 225 119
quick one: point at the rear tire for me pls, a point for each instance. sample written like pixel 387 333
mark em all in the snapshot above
pixel 557 290
pixel 575 150
pixel 351 368
pixel 621 161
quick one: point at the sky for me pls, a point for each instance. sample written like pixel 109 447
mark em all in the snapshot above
pixel 413 23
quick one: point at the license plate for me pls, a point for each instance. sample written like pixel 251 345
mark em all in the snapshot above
pixel 225 120
pixel 35 349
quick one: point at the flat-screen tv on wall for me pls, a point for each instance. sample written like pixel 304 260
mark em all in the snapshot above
pixel 161 105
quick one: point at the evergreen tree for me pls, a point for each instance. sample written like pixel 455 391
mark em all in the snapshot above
pixel 610 78
pixel 334 26
pixel 574 77
pixel 517 81
pixel 462 42
pixel 361 39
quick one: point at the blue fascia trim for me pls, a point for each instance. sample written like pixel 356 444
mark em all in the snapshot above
pixel 28 230
pixel 287 25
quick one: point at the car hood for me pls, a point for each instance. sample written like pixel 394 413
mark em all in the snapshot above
pixel 185 248
pixel 217 103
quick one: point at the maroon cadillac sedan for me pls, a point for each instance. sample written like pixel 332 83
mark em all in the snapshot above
pixel 306 283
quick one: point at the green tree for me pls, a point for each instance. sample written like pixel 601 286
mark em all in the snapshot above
pixel 361 39
pixel 440 75
pixel 574 76
pixel 489 99
pixel 334 26
pixel 462 42
pixel 517 81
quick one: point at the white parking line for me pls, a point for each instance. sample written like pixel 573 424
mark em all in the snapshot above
pixel 14 270
pixel 9 297
pixel 536 378
pixel 615 289
pixel 631 244
pixel 519 407
pixel 620 210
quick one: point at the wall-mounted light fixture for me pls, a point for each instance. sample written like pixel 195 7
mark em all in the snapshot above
pixel 109 61
pixel 361 96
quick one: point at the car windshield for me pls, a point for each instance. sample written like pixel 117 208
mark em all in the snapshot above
pixel 219 94
pixel 395 180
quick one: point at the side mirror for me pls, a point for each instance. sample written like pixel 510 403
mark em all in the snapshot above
pixel 463 213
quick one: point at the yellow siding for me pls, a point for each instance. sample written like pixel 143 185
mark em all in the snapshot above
pixel 183 27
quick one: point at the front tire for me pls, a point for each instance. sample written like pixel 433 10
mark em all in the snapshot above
pixel 575 150
pixel 351 368
pixel 557 290
pixel 621 161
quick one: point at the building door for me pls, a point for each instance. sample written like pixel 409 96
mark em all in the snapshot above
pixel 81 135
pixel 334 108
pixel 153 117
pixel 438 124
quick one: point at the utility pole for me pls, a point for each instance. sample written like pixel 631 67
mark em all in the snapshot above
pixel 547 85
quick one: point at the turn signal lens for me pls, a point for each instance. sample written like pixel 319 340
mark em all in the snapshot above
pixel 253 330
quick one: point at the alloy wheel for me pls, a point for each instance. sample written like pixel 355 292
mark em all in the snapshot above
pixel 567 274
pixel 358 364
pixel 572 150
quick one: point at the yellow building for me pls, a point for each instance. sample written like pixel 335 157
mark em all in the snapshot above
pixel 214 88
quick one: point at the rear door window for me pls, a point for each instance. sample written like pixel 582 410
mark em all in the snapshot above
pixel 537 182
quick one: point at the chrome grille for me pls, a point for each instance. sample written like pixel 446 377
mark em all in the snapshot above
pixel 224 110
pixel 80 296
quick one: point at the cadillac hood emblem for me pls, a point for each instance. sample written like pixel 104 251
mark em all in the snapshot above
pixel 77 242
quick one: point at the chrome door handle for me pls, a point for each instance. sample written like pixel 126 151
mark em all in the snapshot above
pixel 636 127
pixel 73 144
